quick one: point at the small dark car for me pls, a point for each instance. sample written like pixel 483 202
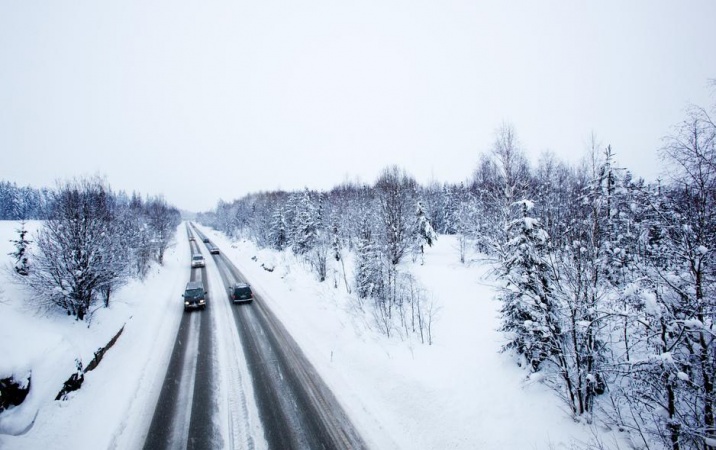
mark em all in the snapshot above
pixel 206 240
pixel 194 296
pixel 241 293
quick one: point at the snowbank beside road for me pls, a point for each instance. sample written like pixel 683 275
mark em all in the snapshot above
pixel 114 406
pixel 459 393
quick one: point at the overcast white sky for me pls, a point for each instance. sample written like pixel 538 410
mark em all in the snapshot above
pixel 201 100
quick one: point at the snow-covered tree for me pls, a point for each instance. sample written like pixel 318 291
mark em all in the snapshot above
pixel 529 313
pixel 72 248
pixel 424 233
pixel 162 220
pixel 22 202
pixel 676 380
pixel 138 237
pixel 306 224
pixel 278 235
pixel 395 193
pixel 20 255
pixel 89 245
pixel 369 264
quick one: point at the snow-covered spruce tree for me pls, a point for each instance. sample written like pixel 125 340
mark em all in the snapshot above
pixel 369 264
pixel 307 237
pixel 424 233
pixel 529 315
pixel 20 255
pixel 322 245
pixel 263 221
pixel 336 245
pixel 306 224
pixel 364 256
pixel 278 235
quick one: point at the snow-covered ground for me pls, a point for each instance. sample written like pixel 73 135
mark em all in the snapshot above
pixel 459 393
pixel 111 409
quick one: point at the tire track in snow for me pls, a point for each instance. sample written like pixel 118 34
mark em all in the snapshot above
pixel 170 425
pixel 171 422
pixel 242 418
pixel 180 428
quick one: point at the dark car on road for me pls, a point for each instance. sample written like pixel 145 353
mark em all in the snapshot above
pixel 241 293
pixel 206 240
pixel 194 296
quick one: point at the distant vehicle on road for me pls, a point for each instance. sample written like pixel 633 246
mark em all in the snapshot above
pixel 206 240
pixel 191 238
pixel 197 260
pixel 241 293
pixel 194 296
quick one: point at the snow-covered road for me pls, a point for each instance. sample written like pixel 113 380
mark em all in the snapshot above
pixel 191 411
pixel 296 408
pixel 179 419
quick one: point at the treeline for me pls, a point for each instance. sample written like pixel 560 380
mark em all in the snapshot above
pixel 608 290
pixel 22 202
pixel 381 225
pixel 92 241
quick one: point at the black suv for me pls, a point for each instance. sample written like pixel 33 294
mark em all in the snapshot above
pixel 194 296
pixel 241 292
